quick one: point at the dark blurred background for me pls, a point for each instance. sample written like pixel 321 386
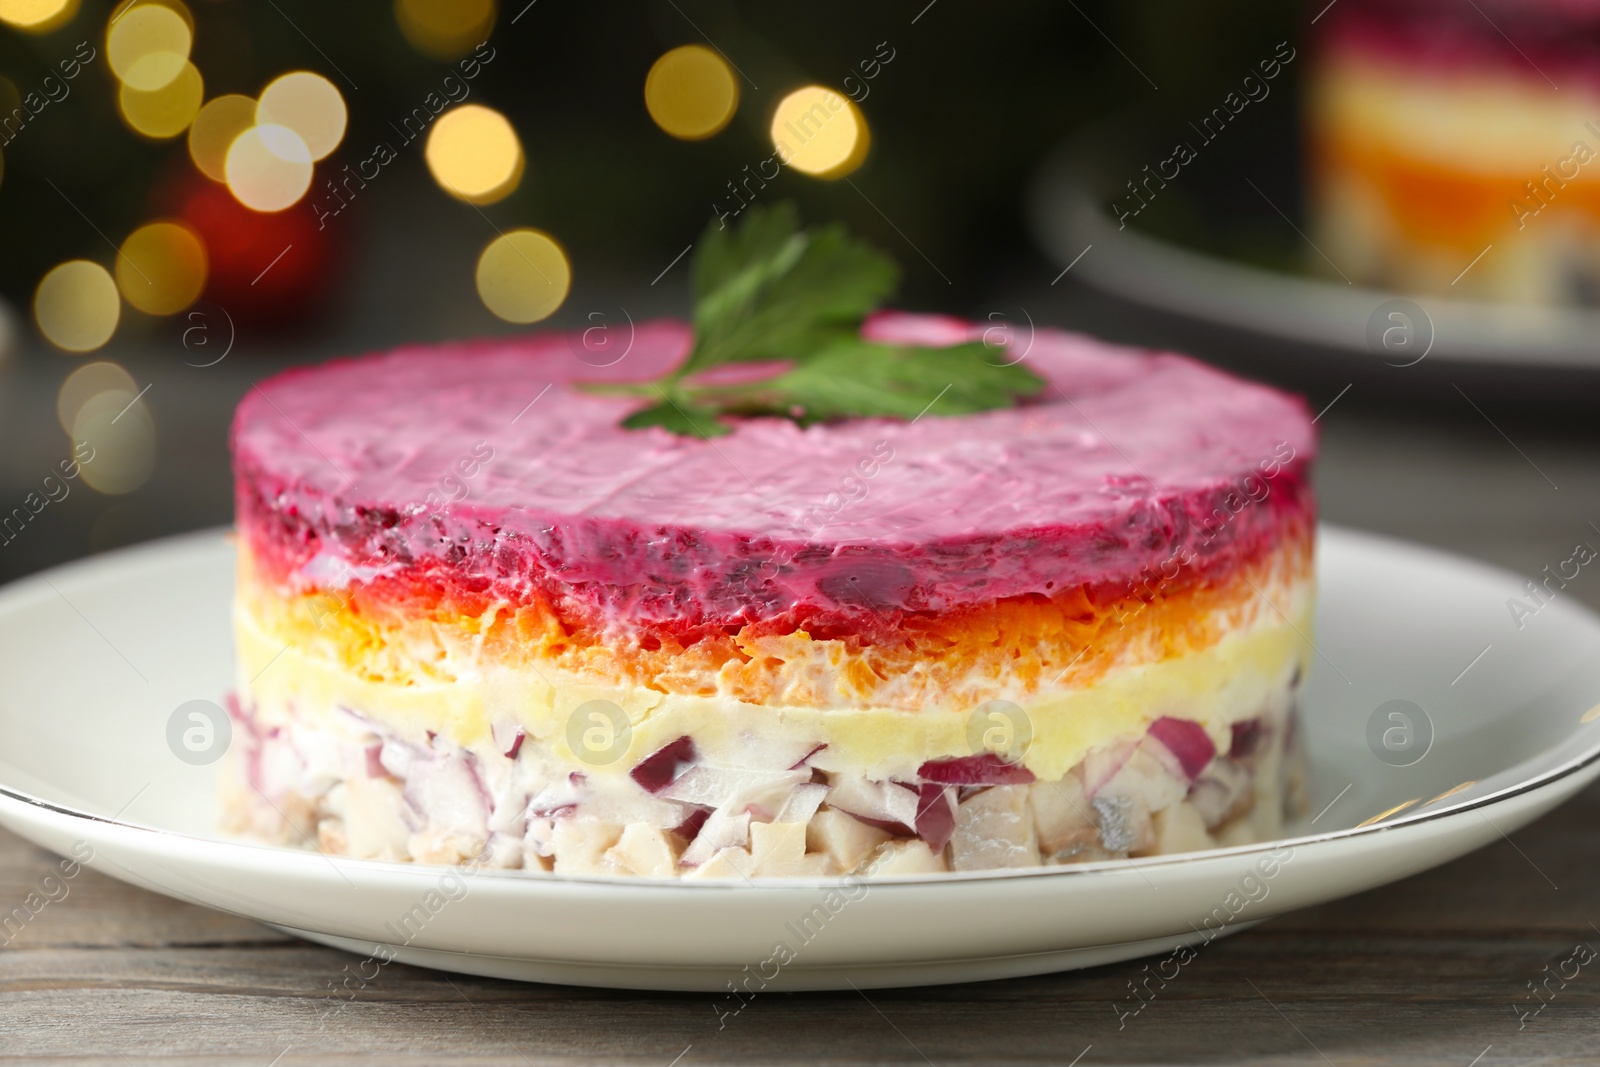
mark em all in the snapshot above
pixel 974 100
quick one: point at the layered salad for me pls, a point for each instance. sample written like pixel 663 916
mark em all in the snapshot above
pixel 484 614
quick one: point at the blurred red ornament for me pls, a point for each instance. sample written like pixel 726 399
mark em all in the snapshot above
pixel 274 270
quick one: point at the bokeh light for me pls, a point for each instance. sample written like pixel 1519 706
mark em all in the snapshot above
pixel 474 154
pixel 90 380
pixel 213 130
pixel 445 29
pixel 308 104
pixel 37 16
pixel 76 306
pixel 523 276
pixel 819 132
pixel 118 426
pixel 148 45
pixel 268 168
pixel 162 268
pixel 166 112
pixel 177 7
pixel 691 93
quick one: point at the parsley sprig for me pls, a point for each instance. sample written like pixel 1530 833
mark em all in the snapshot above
pixel 767 291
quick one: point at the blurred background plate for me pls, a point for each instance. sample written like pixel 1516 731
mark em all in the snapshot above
pixel 1076 183
pixel 1255 305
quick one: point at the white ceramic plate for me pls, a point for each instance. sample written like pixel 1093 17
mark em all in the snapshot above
pixel 96 657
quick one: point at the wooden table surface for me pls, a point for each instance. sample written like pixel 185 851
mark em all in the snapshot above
pixel 1432 970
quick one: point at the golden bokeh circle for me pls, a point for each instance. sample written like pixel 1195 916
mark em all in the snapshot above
pixel 76 306
pixel 37 16
pixel 168 111
pixel 691 93
pixel 177 7
pixel 148 45
pixel 268 168
pixel 161 268
pixel 213 130
pixel 308 104
pixel 89 380
pixel 523 276
pixel 474 154
pixel 445 29
pixel 117 425
pixel 820 132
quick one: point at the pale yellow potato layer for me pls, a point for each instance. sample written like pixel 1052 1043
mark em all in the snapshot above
pixel 1232 680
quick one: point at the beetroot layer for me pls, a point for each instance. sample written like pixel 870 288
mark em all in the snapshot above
pixel 1133 468
pixel 856 591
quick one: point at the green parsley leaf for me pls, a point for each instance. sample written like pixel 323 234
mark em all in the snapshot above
pixel 857 378
pixel 681 417
pixel 768 291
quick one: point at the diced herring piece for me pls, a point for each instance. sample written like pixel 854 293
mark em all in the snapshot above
pixel 728 863
pixel 778 850
pixel 1180 828
pixel 646 851
pixel 444 846
pixel 580 848
pixel 1063 818
pixel 844 839
pixel 505 852
pixel 1223 792
pixel 1124 824
pixel 1146 777
pixel 994 829
pixel 374 824
pixel 904 857
pixel 331 838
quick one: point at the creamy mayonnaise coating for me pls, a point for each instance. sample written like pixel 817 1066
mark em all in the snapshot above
pixel 484 456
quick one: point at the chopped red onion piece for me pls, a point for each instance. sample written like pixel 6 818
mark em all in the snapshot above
pixel 889 806
pixel 656 771
pixel 1187 740
pixel 508 738
pixel 721 830
pixel 374 755
pixel 804 759
pixel 689 828
pixel 763 792
pixel 397 757
pixel 558 798
pixel 802 803
pixel 1246 738
pixel 446 792
pixel 888 826
pixel 985 768
pixel 936 815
